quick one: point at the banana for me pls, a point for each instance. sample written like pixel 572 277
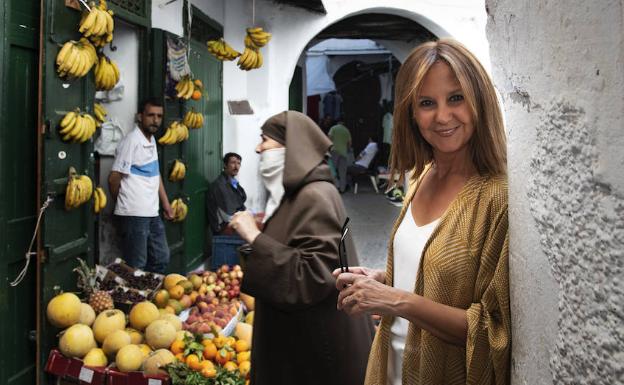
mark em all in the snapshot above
pixel 88 185
pixel 92 126
pixel 62 55
pixel 165 139
pixel 100 112
pixel 68 120
pixel 87 24
pixel 103 199
pixel 96 203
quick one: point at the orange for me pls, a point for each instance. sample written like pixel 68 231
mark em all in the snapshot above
pixel 230 341
pixel 161 298
pixel 210 350
pixel 223 356
pixel 177 347
pixel 193 362
pixel 230 366
pixel 206 364
pixel 219 341
pixel 241 346
pixel 244 367
pixel 196 95
pixel 176 292
pixel 180 357
pixel 209 372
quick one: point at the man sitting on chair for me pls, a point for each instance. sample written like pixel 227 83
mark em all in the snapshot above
pixel 363 160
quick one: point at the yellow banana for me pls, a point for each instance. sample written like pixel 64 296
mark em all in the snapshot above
pixel 62 55
pixel 68 120
pixel 87 24
pixel 96 203
pixel 103 199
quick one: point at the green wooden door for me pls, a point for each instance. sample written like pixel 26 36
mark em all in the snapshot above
pixel 66 235
pixel 173 108
pixel 203 150
pixel 295 91
pixel 19 56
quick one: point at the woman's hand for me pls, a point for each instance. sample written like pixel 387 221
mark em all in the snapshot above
pixel 244 223
pixel 364 294
pixel 377 275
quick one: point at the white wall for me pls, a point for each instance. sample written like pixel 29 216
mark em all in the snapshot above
pixel 559 71
pixel 292 29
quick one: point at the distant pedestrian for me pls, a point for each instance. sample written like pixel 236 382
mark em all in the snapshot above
pixel 341 139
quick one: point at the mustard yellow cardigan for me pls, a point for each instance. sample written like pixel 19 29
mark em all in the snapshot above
pixel 465 265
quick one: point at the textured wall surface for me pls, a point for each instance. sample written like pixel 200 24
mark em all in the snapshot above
pixel 559 69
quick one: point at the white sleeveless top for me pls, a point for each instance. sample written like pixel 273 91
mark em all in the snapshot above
pixel 409 242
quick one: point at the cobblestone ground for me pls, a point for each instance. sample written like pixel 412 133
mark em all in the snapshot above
pixel 372 217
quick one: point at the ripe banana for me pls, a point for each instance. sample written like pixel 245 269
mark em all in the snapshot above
pixel 251 59
pixel 77 127
pixel 193 119
pixel 78 191
pixel 185 88
pixel 97 22
pixel 222 50
pixel 99 200
pixel 76 58
pixel 178 171
pixel 100 113
pixel 256 37
pixel 176 132
pixel 180 210
pixel 106 74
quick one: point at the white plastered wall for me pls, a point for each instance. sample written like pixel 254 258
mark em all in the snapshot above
pixel 559 71
pixel 267 88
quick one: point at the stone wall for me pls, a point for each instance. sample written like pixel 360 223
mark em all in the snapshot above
pixel 560 72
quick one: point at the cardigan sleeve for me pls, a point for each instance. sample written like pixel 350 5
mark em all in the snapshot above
pixel 298 274
pixel 489 322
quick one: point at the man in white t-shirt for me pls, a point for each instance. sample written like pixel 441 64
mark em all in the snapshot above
pixel 136 185
pixel 362 162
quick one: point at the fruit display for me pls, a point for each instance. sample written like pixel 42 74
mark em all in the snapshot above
pixel 78 191
pixel 100 113
pixel 106 73
pixel 193 119
pixel 180 209
pixel 77 127
pixel 135 278
pixel 178 171
pixel 176 133
pixel 76 58
pixel 99 200
pixel 256 37
pixel 188 88
pixel 222 50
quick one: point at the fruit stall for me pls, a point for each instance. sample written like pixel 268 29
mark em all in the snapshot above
pixel 127 326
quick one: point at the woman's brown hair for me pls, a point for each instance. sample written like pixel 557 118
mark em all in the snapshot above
pixel 410 151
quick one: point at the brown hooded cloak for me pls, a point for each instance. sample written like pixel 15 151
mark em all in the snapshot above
pixel 299 335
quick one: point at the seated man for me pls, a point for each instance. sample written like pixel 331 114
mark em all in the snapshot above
pixel 363 160
pixel 225 196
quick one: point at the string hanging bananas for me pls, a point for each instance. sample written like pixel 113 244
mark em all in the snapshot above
pixel 178 171
pixel 222 50
pixel 180 209
pixel 77 127
pixel 78 191
pixel 176 132
pixel 250 59
pixel 193 119
pixel 106 74
pixel 98 24
pixel 100 113
pixel 76 58
pixel 256 37
pixel 99 200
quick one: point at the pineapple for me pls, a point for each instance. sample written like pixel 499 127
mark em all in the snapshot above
pixel 99 300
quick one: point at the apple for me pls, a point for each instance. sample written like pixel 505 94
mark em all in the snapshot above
pixel 224 268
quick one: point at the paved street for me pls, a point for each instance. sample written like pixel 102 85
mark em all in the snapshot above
pixel 372 217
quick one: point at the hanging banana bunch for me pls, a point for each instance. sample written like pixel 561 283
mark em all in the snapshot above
pixel 77 127
pixel 193 119
pixel 99 200
pixel 76 58
pixel 98 24
pixel 100 113
pixel 176 132
pixel 79 189
pixel 186 89
pixel 222 50
pixel 256 37
pixel 178 171
pixel 180 209
pixel 250 59
pixel 106 74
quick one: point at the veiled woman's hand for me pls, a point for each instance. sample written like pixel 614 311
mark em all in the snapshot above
pixel 244 223
pixel 364 294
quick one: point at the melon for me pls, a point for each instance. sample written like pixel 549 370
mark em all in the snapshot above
pixel 157 360
pixel 64 310
pixel 143 314
pixel 160 334
pixel 145 349
pixel 77 341
pixel 173 320
pixel 129 358
pixel 115 341
pixel 135 336
pixel 107 322
pixel 95 357
pixel 87 314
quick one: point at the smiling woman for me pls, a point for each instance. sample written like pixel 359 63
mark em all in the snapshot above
pixel 444 297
